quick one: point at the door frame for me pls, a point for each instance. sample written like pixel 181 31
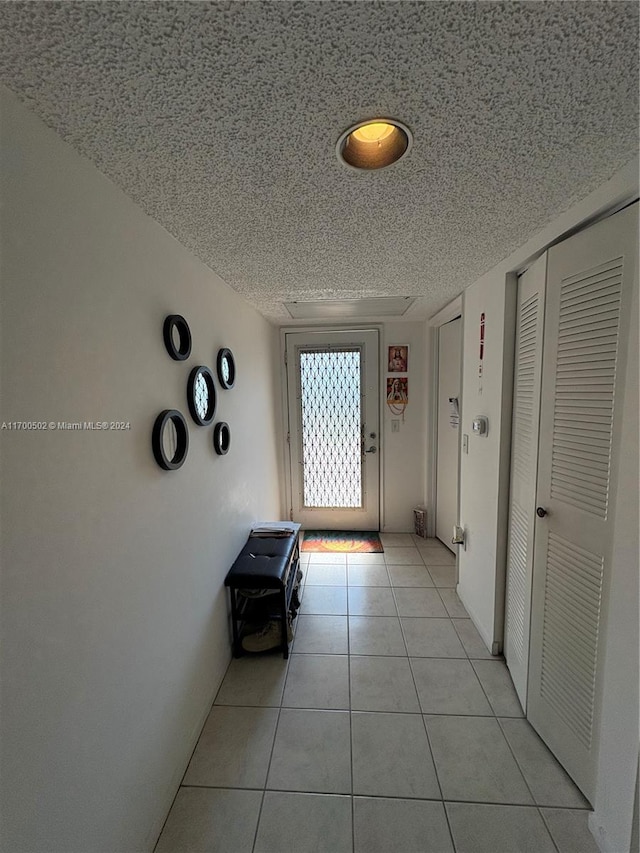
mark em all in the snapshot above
pixel 440 527
pixel 450 312
pixel 287 509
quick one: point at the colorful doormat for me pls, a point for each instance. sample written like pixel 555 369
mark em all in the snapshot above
pixel 342 541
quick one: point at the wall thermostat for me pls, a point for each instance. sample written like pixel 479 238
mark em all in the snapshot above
pixel 480 425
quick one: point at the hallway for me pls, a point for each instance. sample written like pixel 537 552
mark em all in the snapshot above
pixel 391 728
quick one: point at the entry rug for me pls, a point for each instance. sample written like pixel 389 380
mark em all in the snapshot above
pixel 342 541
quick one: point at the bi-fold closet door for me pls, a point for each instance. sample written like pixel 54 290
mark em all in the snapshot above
pixel 567 407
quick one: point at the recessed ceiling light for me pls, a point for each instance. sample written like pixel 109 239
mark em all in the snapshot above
pixel 374 144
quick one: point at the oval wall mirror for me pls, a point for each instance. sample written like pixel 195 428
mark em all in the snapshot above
pixel 170 439
pixel 177 337
pixel 201 395
pixel 221 438
pixel 226 368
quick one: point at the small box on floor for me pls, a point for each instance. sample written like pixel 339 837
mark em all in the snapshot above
pixel 420 521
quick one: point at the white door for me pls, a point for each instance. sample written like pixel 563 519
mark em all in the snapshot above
pixel 524 468
pixel 334 412
pixel 590 278
pixel 447 466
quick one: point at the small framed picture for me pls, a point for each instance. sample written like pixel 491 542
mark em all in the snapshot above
pixel 397 390
pixel 398 358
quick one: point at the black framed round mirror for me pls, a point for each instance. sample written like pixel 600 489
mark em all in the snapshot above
pixel 170 439
pixel 201 395
pixel 177 337
pixel 226 368
pixel 221 438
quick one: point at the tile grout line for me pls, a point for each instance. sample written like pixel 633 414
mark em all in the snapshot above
pixel 353 803
pixel 446 817
pixel 548 828
pixel 484 692
pixel 518 765
pixel 182 785
pixel 515 758
pixel 275 732
pixel 392 796
pixel 433 760
pixel 273 746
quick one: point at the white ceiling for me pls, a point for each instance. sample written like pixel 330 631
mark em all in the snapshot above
pixel 221 119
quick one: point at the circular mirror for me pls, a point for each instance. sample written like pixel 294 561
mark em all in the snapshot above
pixel 201 395
pixel 226 368
pixel 221 438
pixel 170 439
pixel 177 337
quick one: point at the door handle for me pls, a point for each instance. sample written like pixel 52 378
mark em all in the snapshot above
pixel 372 449
pixel 541 512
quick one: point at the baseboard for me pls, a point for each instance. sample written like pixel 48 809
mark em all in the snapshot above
pixel 488 641
pixel 174 786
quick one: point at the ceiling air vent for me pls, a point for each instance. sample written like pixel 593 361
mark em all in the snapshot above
pixel 331 309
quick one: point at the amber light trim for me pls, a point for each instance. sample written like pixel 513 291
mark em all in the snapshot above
pixel 389 144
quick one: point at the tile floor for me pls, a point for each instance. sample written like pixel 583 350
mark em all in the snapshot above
pixel 390 728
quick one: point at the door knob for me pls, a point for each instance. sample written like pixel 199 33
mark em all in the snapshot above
pixel 372 449
pixel 541 512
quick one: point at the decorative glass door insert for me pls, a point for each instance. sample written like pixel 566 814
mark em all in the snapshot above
pixel 331 434
pixel 333 429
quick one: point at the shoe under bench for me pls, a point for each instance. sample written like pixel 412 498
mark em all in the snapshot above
pixel 265 562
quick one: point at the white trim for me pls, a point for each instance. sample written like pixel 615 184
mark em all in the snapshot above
pixel 504 482
pixel 450 312
pixel 619 191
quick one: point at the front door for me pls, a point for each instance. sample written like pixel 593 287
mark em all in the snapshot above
pixel 333 388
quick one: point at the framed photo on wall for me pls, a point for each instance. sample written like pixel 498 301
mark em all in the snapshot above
pixel 397 389
pixel 398 358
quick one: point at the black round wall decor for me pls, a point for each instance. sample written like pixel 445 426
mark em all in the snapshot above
pixel 177 337
pixel 226 368
pixel 221 438
pixel 201 395
pixel 170 439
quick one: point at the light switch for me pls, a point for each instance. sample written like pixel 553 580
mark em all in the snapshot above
pixel 465 443
pixel 395 425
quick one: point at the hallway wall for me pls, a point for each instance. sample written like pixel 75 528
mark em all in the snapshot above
pixel 484 491
pixel 404 452
pixel 484 483
pixel 114 617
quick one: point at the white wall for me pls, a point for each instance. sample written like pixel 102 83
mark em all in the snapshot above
pixel 612 821
pixel 484 469
pixel 484 492
pixel 114 617
pixel 484 483
pixel 404 452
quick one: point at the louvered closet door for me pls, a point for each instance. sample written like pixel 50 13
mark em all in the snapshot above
pixel 524 466
pixel 589 283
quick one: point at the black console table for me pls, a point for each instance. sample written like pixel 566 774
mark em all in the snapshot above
pixel 266 562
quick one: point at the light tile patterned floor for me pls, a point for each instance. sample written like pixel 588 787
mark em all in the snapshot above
pixel 391 729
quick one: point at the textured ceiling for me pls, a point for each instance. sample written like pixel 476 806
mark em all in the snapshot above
pixel 220 120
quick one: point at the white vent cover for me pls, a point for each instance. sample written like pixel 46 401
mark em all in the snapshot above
pixel 371 306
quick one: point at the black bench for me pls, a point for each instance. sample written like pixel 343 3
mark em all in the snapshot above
pixel 264 563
